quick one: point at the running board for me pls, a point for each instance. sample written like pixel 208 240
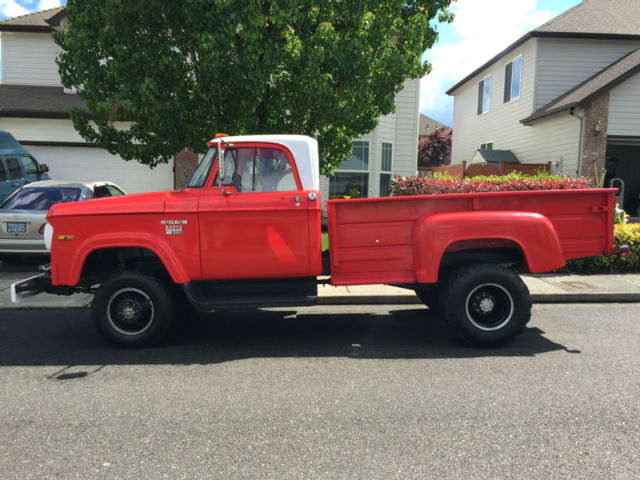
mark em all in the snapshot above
pixel 288 292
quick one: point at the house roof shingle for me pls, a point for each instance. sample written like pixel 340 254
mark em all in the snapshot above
pixel 32 22
pixel 584 93
pixel 601 17
pixel 611 19
pixel 37 102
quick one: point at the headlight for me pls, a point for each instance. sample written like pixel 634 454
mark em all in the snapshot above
pixel 48 235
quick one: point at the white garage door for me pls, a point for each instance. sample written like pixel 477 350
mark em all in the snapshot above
pixel 86 163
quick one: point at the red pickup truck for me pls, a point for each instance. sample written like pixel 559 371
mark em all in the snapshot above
pixel 249 234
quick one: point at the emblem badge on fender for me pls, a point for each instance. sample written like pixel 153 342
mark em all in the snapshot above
pixel 173 227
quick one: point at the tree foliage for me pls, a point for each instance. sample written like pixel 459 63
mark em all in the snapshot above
pixel 435 149
pixel 179 71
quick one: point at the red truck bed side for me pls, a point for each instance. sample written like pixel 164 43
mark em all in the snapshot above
pixel 393 240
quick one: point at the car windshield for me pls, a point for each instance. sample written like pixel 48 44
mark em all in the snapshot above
pixel 41 198
pixel 202 172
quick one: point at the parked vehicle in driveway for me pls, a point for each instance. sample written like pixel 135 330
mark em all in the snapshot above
pixel 246 232
pixel 23 214
pixel 17 166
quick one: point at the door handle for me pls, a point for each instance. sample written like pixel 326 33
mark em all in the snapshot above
pixel 15 184
pixel 295 197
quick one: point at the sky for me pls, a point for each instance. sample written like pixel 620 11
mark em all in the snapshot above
pixel 481 29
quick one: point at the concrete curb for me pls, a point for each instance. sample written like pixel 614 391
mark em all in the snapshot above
pixel 535 298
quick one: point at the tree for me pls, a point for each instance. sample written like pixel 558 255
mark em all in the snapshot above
pixel 178 72
pixel 435 149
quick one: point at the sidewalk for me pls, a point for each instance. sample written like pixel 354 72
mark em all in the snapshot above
pixel 545 288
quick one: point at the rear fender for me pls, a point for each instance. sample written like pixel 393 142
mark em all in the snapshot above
pixel 533 233
pixel 71 274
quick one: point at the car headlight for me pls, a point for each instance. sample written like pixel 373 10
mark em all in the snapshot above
pixel 48 235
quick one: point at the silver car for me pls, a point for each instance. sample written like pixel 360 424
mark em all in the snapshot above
pixel 23 214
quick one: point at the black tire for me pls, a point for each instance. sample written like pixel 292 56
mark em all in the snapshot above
pixel 430 296
pixel 134 309
pixel 486 305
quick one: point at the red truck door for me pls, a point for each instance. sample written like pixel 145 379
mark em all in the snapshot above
pixel 256 224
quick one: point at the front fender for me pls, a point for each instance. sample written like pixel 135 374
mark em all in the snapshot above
pixel 151 242
pixel 533 233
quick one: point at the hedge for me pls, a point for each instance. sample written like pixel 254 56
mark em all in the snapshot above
pixel 624 233
pixel 439 184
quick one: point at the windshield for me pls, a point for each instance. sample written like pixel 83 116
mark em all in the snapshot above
pixel 200 176
pixel 40 198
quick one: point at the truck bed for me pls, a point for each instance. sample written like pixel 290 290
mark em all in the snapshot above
pixel 372 240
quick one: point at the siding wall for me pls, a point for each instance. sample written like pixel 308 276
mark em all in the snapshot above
pixel 401 130
pixel 29 59
pixel 405 155
pixel 624 108
pixel 84 163
pixel 553 140
pixel 564 63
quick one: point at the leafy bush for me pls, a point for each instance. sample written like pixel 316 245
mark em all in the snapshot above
pixel 624 233
pixel 435 149
pixel 439 184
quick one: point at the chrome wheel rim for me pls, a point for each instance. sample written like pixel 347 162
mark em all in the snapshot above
pixel 489 307
pixel 130 311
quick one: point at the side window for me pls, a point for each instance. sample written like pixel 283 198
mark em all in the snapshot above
pixel 484 95
pixel 512 77
pixel 29 165
pixel 3 172
pixel 14 168
pixel 274 171
pixel 101 191
pixel 258 170
pixel 114 191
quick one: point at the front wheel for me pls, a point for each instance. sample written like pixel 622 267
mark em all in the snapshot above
pixel 133 309
pixel 486 304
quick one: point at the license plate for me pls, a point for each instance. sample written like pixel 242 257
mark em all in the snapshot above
pixel 16 227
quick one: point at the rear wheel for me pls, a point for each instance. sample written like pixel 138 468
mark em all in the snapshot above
pixel 134 309
pixel 486 305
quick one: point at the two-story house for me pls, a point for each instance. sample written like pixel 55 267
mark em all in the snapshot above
pixel 567 92
pixel 34 108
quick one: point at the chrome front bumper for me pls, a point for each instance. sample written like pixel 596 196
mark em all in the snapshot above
pixel 29 287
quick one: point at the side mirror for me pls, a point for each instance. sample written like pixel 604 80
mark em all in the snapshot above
pixel 220 164
pixel 43 168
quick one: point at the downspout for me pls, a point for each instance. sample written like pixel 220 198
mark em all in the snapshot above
pixel 581 117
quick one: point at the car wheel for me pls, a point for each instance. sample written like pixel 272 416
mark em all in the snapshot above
pixel 134 309
pixel 486 304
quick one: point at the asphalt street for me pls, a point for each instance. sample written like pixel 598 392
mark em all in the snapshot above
pixel 322 392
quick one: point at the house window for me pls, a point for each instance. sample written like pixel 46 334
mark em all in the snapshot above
pixel 385 168
pixel 352 179
pixel 486 146
pixel 512 77
pixel 484 95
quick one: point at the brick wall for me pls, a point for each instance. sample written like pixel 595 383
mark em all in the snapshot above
pixel 594 136
pixel 185 163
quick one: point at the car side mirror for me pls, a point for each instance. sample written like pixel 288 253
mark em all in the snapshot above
pixel 43 168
